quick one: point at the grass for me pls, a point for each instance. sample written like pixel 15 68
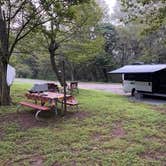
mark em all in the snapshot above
pixel 108 130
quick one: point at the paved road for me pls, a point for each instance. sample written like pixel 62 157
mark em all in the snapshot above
pixel 108 87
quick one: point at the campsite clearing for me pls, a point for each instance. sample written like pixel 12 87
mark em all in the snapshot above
pixel 107 129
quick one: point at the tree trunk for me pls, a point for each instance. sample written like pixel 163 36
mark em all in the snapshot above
pixel 4 88
pixel 52 48
pixel 105 74
pixel 72 75
pixel 4 59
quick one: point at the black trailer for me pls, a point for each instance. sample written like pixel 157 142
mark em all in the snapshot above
pixel 145 79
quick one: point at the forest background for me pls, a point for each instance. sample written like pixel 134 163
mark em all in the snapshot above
pixel 136 32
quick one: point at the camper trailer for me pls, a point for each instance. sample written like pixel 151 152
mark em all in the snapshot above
pixel 143 79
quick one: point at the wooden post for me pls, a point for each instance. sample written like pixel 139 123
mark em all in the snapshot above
pixel 64 87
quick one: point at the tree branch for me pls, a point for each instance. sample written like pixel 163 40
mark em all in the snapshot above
pixel 8 26
pixel 17 39
pixel 66 38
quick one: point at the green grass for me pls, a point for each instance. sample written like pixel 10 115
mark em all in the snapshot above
pixel 108 130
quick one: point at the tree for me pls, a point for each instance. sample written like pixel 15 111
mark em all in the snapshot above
pixel 67 20
pixel 153 47
pixel 17 20
pixel 110 36
pixel 80 50
pixel 146 18
pixel 81 45
pixel 150 12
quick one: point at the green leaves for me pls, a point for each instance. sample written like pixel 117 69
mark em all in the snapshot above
pixel 150 12
pixel 83 51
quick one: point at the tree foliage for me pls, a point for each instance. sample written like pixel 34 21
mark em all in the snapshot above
pixel 150 12
pixel 17 20
pixel 65 25
pixel 20 18
pixel 144 22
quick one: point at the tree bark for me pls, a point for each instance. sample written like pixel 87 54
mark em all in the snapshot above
pixel 72 75
pixel 4 88
pixel 72 72
pixel 4 59
pixel 105 74
pixel 52 48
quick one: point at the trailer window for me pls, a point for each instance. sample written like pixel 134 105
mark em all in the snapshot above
pixel 145 77
pixel 129 77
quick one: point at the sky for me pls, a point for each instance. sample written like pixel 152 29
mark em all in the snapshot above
pixel 111 4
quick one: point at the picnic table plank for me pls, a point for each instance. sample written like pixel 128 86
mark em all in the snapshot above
pixel 35 106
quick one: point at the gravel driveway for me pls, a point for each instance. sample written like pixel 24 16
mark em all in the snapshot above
pixel 108 87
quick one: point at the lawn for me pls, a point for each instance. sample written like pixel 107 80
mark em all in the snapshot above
pixel 107 130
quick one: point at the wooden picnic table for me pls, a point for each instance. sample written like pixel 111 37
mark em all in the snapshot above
pixel 45 97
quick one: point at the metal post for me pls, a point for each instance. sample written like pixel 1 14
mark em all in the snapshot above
pixel 64 87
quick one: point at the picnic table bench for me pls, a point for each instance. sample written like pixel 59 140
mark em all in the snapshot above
pixel 39 108
pixel 70 101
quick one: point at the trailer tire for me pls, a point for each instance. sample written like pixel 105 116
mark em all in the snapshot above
pixel 133 92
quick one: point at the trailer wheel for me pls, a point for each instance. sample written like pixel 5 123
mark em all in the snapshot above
pixel 133 92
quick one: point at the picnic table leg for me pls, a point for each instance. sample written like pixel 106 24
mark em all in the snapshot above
pixel 36 115
pixel 54 106
pixel 56 111
pixel 62 108
pixel 18 108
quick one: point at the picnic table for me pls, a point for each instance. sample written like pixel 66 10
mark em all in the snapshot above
pixel 51 98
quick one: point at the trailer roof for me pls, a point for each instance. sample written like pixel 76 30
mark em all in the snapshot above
pixel 139 69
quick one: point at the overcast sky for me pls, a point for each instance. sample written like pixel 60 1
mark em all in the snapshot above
pixel 111 4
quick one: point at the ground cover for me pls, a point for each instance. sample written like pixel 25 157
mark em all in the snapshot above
pixel 107 130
